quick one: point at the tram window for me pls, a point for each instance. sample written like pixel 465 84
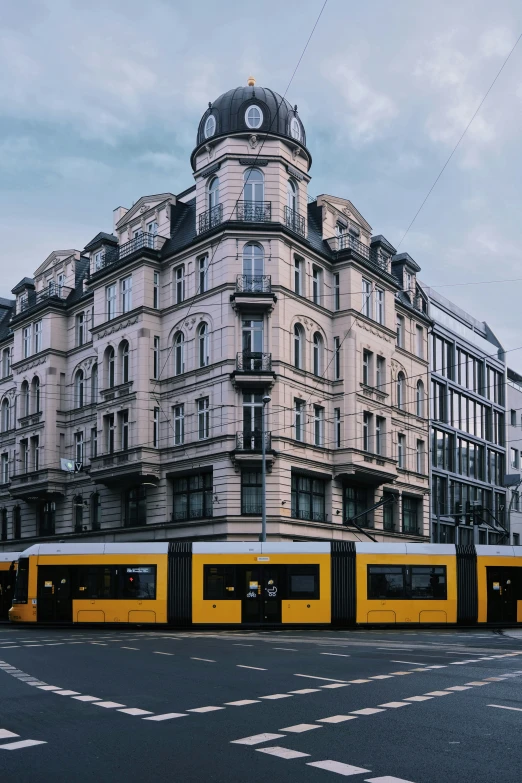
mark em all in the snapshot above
pixel 138 582
pixel 386 582
pixel 428 582
pixel 116 582
pixel 219 583
pixel 303 582
pixel 22 581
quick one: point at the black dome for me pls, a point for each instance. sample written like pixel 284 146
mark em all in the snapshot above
pixel 229 112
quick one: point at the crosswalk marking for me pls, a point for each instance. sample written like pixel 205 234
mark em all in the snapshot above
pixel 21 744
pixel 337 719
pixel 109 705
pixel 67 693
pixel 459 688
pixel 299 728
pixel 135 711
pixel 438 693
pixel 418 698
pixel 241 703
pixel 167 716
pixel 4 734
pixel 358 682
pixel 337 766
pixel 395 704
pixel 206 709
pixel 256 739
pixel 282 753
pixel 367 711
pixel 86 698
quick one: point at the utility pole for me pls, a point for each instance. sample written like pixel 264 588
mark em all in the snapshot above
pixel 266 400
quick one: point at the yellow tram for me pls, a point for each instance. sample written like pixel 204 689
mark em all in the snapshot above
pixel 7 581
pixel 341 584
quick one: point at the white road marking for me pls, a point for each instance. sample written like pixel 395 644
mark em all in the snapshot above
pixel 395 649
pixel 337 719
pixel 236 644
pixel 125 648
pixel 418 698
pixel 277 696
pixel 282 753
pixel 382 677
pixel 256 739
pixel 501 707
pixel 86 698
pixel 438 693
pixel 168 716
pixel 107 704
pixel 135 711
pixel 439 666
pixel 306 690
pixel 4 734
pixel 156 652
pixel 386 779
pixel 207 660
pixel 412 663
pixel 257 668
pixel 395 704
pixel 22 744
pixel 459 688
pixel 337 766
pixel 67 693
pixel 325 679
pixel 299 728
pixel 49 688
pixel 336 685
pixel 241 703
pixel 287 649
pixel 206 709
pixel 358 682
pixel 400 674
pixel 477 683
pixel 366 711
pixel 337 655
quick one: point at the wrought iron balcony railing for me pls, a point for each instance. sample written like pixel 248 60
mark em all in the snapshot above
pixel 212 217
pixel 139 242
pixel 253 284
pixel 295 221
pixel 252 441
pixel 52 291
pixel 254 211
pixel 348 241
pixel 253 361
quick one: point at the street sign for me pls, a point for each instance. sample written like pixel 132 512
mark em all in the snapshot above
pixel 78 466
pixel 67 465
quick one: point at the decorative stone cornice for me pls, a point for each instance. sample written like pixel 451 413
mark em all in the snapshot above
pixel 119 326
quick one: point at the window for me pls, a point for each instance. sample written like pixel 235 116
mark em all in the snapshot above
pixel 126 294
pixel 38 336
pixel 179 425
pixel 337 292
pixel 400 331
pixel 110 431
pixel 6 362
pixel 366 298
pixel 219 583
pixel 135 516
pixel 442 450
pixel 213 193
pixel 317 285
pixel 337 358
pixel 303 582
pixel 116 582
pixel 34 448
pixel 380 373
pixel 419 342
pixel 192 497
pixel 94 383
pixel 388 511
pixel 308 498
pixel 203 274
pixel 298 276
pixel 379 305
pixel 318 425
pixel 24 455
pixel 35 394
pixel 419 399
pixel 78 447
pixel 24 399
pixel 251 492
pixel 179 281
pixel 299 419
pixel 516 499
pixel 356 503
pixel 155 428
pixel 407 582
pixel 337 427
pixel 79 389
pixel 210 126
pixel 254 193
pixel 123 417
pixel 26 338
pixel 253 267
pixel 401 451
pixel 366 377
pixel 124 352
pixel 110 298
pixel 401 390
pixel 318 354
pixel 152 228
pixel 514 458
pixel 299 341
pixel 155 290
pixel 442 361
pixel 78 513
pixel 99 258
pixel 6 415
pixel 80 329
pixel 179 354
pixel 438 395
pixel 254 117
pixel 420 457
pixel 203 418
pixel 111 367
pixel 94 442
pixel 367 421
pixel 379 435
pixel 17 527
pixel 3 525
pixel 291 195
pixel 410 512
pixel 4 469
pixel 95 511
pixel 513 418
pixel 156 358
pixel 203 351
pixel 295 129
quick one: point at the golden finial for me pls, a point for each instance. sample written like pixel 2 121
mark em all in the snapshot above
pixel 251 81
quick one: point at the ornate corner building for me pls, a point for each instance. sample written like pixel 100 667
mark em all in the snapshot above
pixel 143 360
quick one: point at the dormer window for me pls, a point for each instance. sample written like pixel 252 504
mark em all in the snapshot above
pixel 60 282
pixel 340 228
pixel 98 260
pixel 254 117
pixel 408 279
pixel 295 129
pixel 152 228
pixel 210 126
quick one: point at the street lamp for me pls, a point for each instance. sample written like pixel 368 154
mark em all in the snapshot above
pixel 266 400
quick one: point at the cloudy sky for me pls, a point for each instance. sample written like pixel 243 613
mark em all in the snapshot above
pixel 100 101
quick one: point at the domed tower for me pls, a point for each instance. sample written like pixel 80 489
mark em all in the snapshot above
pixel 251 161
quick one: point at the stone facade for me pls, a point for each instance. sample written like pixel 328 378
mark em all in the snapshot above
pixel 514 451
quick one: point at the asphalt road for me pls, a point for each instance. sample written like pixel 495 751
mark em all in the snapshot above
pixel 247 707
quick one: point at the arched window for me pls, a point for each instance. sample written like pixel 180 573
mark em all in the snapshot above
pixel 179 353
pixel 6 415
pixel 24 399
pixel 110 367
pixel 94 383
pixel 253 267
pixel 79 389
pixel 95 511
pixel 254 117
pixel 203 347
pixel 299 341
pixel 35 394
pixel 254 190
pixel 78 513
pixel 401 390
pixel 213 193
pixel 420 399
pixel 291 195
pixel 124 366
pixel 318 354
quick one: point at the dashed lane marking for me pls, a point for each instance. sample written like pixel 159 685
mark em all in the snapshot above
pixel 67 693
pixel 501 707
pixel 157 652
pixel 300 728
pixel 336 655
pixel 477 683
pixel 275 696
pixel 86 698
pixel 236 644
pixel 125 648
pixel 207 660
pixel 336 685
pixel 21 744
pixel 438 693
pixel 49 688
pixel 241 703
pixel 206 709
pixel 109 705
pixel 257 668
pixel 358 682
pixel 382 677
pixel 325 679
pixel 338 767
pixel 459 688
pixel 282 753
pixel 135 711
pixel 303 691
pixel 167 716
pixel 256 739
pixel 5 734
pixel 286 649
pixel 386 779
pixel 337 719
pixel 394 705
pixel 418 698
pixel 367 711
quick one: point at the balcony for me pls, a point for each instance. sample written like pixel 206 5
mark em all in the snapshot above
pixel 294 221
pixel 253 368
pixel 36 485
pixel 113 392
pixel 349 243
pixel 253 284
pixel 54 293
pixel 254 211
pixel 140 242
pixel 132 467
pixel 253 292
pixel 249 450
pixel 211 218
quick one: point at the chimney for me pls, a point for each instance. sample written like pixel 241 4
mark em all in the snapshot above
pixel 118 213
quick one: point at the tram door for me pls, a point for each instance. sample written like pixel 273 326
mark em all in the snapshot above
pixel 7 580
pixel 54 594
pixel 502 594
pixel 261 588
